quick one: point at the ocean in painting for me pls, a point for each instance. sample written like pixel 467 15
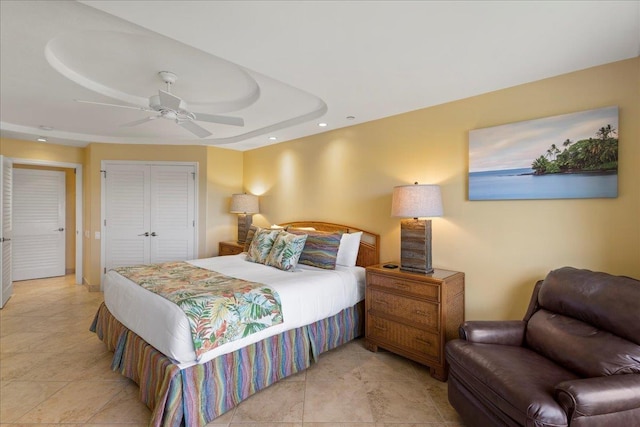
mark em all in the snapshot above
pixel 510 184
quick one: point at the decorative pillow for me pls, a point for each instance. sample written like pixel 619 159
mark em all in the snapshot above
pixel 348 250
pixel 321 248
pixel 250 233
pixel 261 245
pixel 286 251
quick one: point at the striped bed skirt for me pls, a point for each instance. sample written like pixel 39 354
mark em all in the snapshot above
pixel 194 396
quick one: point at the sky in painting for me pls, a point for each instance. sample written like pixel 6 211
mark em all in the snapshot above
pixel 517 145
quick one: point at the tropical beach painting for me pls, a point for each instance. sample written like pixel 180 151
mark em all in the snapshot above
pixel 562 157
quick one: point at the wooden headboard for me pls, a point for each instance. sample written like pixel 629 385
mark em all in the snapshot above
pixel 369 252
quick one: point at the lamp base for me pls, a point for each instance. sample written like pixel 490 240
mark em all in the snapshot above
pixel 244 222
pixel 415 245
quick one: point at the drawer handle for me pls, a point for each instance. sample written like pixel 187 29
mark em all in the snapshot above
pixel 382 328
pixel 379 301
pixel 402 285
pixel 425 342
pixel 421 313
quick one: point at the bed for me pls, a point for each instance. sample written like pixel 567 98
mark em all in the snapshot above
pixel 321 309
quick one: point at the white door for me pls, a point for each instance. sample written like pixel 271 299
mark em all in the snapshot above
pixel 126 226
pixel 38 224
pixel 6 175
pixel 149 214
pixel 172 213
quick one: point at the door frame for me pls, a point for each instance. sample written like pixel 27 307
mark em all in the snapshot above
pixel 103 207
pixel 79 199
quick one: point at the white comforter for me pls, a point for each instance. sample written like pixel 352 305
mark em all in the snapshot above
pixel 307 294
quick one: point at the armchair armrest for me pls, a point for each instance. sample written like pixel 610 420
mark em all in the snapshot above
pixel 505 332
pixel 600 395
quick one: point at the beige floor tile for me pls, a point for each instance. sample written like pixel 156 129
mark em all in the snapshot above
pixel 401 401
pixel 336 401
pixel 384 366
pixel 77 402
pixel 280 402
pixel 19 397
pixel 125 407
pixel 336 365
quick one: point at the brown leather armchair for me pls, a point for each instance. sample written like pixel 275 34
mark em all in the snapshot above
pixel 573 361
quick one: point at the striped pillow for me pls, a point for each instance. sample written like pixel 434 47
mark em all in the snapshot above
pixel 320 249
pixel 250 233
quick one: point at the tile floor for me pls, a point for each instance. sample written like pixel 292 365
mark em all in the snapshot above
pixel 54 371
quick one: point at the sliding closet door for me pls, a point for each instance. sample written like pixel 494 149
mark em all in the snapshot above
pixel 127 215
pixel 149 214
pixel 172 213
pixel 6 186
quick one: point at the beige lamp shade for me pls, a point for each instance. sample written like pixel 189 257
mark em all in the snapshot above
pixel 244 204
pixel 416 201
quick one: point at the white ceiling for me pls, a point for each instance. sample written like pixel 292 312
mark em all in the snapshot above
pixel 283 66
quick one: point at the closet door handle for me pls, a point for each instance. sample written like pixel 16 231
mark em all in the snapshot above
pixel 153 234
pixel 59 229
pixel 144 234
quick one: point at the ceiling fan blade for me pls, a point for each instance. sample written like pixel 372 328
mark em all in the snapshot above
pixel 138 122
pixel 169 100
pixel 114 105
pixel 195 129
pixel 225 120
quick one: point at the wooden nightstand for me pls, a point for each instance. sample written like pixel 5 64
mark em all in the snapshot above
pixel 229 248
pixel 414 314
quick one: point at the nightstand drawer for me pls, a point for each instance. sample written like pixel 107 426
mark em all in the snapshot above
pixel 400 284
pixel 421 313
pixel 408 338
pixel 229 248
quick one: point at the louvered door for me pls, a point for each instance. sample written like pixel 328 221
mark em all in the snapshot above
pixel 127 211
pixel 149 214
pixel 38 248
pixel 6 234
pixel 172 213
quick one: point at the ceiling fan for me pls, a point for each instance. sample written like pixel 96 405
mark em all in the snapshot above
pixel 170 107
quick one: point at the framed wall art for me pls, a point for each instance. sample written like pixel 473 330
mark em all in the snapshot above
pixel 562 157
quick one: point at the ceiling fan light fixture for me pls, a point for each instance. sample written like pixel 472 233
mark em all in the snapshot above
pixel 41 139
pixel 322 124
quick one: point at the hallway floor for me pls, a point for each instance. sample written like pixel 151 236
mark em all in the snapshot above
pixel 54 371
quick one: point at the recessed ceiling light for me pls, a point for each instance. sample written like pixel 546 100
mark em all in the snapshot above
pixel 350 117
pixel 41 139
pixel 43 127
pixel 272 138
pixel 322 124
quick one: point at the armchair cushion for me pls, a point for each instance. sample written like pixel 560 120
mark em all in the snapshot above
pixel 497 375
pixel 580 347
pixel 508 332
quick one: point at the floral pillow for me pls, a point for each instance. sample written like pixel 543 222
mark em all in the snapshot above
pixel 320 249
pixel 261 245
pixel 286 251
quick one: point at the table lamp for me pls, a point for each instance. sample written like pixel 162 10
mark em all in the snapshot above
pixel 416 201
pixel 245 205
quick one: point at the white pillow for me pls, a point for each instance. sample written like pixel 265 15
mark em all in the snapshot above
pixel 348 250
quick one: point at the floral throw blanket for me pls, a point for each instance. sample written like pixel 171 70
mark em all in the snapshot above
pixel 220 308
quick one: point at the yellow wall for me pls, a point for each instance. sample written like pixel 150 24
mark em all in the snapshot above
pixel 347 175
